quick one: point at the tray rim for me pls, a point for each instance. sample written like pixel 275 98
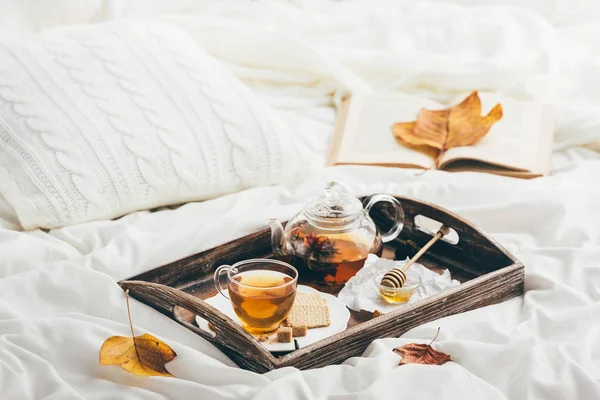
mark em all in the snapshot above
pixel 143 289
pixel 403 310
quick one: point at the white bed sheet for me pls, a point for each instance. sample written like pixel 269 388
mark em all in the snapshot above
pixel 58 294
pixel 59 299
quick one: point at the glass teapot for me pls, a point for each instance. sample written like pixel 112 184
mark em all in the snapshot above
pixel 331 237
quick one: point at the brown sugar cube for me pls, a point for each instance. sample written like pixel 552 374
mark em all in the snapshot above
pixel 284 334
pixel 299 330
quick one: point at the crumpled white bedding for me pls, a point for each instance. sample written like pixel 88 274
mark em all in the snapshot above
pixel 58 295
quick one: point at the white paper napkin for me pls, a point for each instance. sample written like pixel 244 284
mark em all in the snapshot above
pixel 360 292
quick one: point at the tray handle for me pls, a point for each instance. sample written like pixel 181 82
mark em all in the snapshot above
pixel 228 333
pixel 474 254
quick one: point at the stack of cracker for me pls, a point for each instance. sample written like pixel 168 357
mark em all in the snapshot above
pixel 309 311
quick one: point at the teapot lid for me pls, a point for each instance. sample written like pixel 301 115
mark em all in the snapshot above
pixel 333 204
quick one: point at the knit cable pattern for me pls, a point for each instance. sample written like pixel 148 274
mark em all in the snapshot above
pixel 100 121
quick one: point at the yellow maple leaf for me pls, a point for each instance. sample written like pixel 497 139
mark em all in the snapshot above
pixel 142 355
pixel 461 125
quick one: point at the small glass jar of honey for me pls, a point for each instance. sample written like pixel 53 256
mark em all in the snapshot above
pixel 398 295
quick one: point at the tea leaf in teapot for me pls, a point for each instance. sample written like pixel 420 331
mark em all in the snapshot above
pixel 319 247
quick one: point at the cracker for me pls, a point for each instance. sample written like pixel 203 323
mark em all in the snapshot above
pixel 284 334
pixel 308 299
pixel 313 316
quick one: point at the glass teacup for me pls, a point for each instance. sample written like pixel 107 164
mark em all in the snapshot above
pixel 261 291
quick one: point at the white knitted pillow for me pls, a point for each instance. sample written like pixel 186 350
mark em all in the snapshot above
pixel 100 121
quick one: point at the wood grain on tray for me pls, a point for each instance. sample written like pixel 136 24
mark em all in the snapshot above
pixel 489 274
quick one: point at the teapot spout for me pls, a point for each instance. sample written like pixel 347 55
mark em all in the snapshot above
pixel 277 237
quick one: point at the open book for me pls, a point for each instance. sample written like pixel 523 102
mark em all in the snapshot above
pixel 518 145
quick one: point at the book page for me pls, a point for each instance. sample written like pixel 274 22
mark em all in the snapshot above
pixel 367 136
pixel 518 141
pixel 480 166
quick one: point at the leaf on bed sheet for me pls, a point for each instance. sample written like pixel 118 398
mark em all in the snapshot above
pixel 418 353
pixel 142 355
pixel 461 125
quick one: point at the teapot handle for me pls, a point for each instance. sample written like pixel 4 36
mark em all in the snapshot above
pixel 398 221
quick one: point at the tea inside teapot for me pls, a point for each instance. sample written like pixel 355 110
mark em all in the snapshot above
pixel 331 258
pixel 330 238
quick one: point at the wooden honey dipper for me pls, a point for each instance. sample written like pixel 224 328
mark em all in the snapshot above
pixel 396 277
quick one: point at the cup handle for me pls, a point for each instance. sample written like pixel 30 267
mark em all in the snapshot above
pixel 399 219
pixel 217 278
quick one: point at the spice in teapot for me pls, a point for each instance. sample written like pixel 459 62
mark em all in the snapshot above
pixel 331 237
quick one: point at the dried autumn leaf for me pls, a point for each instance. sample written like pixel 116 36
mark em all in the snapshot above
pixel 461 125
pixel 416 353
pixel 142 355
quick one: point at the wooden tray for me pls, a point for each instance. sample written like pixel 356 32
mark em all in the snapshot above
pixel 488 273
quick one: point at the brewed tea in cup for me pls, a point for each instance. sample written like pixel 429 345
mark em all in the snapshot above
pixel 261 291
